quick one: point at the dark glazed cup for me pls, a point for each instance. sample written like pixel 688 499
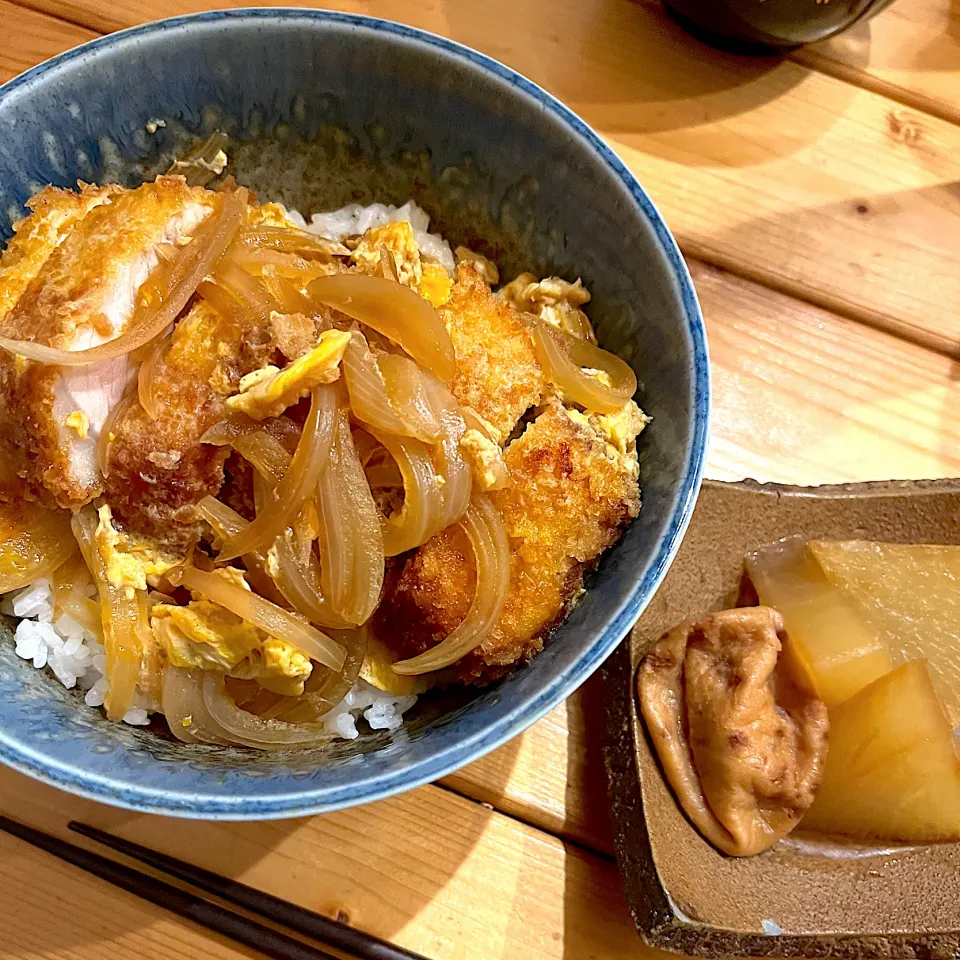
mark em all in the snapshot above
pixel 761 26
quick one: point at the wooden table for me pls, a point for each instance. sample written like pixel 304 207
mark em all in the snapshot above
pixel 817 199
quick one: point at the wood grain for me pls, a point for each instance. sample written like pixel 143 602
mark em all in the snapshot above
pixel 429 870
pixel 909 52
pixel 832 193
pixel 31 37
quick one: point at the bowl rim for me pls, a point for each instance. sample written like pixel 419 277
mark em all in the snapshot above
pixel 308 801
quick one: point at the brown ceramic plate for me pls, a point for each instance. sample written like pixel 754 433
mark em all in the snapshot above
pixel 827 899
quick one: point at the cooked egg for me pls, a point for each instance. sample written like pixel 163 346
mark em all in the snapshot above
pixel 130 561
pixel 205 636
pixel 267 392
pixel 399 240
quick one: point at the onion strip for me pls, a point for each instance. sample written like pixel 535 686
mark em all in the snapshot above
pixel 252 731
pixel 298 482
pixel 270 618
pixel 456 473
pixel 351 540
pixel 300 584
pixel 193 263
pixel 563 358
pixel 369 392
pixel 397 312
pixel 423 502
pixel 120 616
pixel 404 382
pixel 148 378
pixel 183 707
pixel 484 527
pixel 36 543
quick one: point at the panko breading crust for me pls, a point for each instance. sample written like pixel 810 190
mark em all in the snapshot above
pixel 497 370
pixel 80 294
pixel 568 497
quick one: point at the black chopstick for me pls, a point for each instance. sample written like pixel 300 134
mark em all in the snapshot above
pixel 314 925
pixel 209 915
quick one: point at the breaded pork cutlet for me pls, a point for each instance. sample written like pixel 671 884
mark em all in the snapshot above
pixel 156 470
pixel 83 294
pixel 497 371
pixel 573 485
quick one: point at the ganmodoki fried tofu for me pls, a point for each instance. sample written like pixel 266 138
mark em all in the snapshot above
pixel 498 375
pixel 83 295
pixel 571 490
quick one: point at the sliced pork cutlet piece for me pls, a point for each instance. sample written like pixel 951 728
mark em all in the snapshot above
pixel 83 295
pixel 53 214
pixel 571 492
pixel 156 470
pixel 498 375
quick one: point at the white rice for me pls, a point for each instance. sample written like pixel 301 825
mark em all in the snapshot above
pixel 353 219
pixel 77 659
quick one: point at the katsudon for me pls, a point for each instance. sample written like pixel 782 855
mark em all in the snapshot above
pixel 262 477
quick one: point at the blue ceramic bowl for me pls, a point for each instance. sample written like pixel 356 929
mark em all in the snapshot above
pixel 328 109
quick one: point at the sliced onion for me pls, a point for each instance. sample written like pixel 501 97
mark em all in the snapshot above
pixel 226 523
pixel 406 393
pixel 290 240
pixel 423 503
pixel 184 709
pixel 194 262
pixel 368 392
pixel 265 453
pixel 324 689
pixel 298 482
pixel 224 432
pixel 351 540
pixel 108 432
pixel 397 312
pixel 252 731
pixel 289 297
pixel 120 616
pixel 148 378
pixel 563 358
pixel 483 525
pixel 70 579
pixel 277 264
pixel 249 294
pixel 300 583
pixel 458 478
pixel 34 542
pixel 270 618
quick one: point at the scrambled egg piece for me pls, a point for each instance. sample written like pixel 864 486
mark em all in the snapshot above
pixel 485 458
pixel 400 242
pixel 554 301
pixel 429 279
pixel 270 215
pixel 129 560
pixel 436 284
pixel 79 422
pixel 267 392
pixel 205 636
pixel 619 432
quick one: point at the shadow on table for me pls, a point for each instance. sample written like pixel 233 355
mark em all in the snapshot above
pixel 634 75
